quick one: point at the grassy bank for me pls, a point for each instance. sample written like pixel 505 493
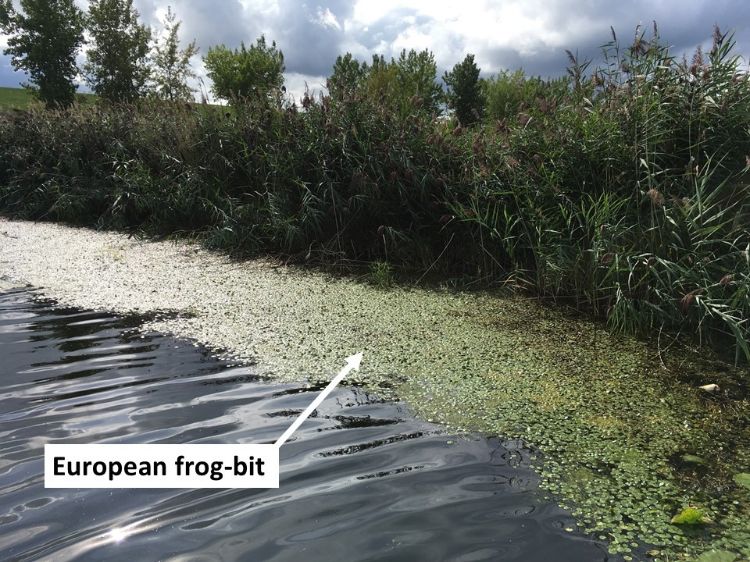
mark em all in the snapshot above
pixel 623 193
pixel 20 98
pixel 14 98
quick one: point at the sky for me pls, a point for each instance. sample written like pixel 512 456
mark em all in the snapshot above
pixel 502 34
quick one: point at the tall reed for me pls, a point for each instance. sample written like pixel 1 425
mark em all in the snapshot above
pixel 622 191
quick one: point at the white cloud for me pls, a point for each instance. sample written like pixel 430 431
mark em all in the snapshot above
pixel 296 83
pixel 532 34
pixel 326 18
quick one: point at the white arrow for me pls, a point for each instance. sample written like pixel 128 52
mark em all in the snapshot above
pixel 352 363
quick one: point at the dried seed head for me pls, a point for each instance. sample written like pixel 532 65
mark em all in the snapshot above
pixel 657 199
pixel 698 62
pixel 686 302
pixel 718 39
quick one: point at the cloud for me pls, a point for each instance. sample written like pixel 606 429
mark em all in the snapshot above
pixel 534 34
pixel 8 76
pixel 506 34
pixel 227 22
pixel 310 45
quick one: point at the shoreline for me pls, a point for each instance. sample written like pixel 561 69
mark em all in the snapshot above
pixel 600 408
pixel 295 323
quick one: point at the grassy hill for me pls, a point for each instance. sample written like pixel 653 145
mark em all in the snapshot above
pixel 15 98
pixel 20 98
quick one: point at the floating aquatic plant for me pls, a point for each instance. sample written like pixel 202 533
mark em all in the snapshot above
pixel 743 479
pixel 717 556
pixel 691 515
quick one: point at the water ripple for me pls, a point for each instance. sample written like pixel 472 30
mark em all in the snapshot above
pixel 361 480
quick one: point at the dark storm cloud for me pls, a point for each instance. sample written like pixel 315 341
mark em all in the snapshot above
pixel 310 45
pixel 8 76
pixel 548 61
pixel 312 33
pixel 210 23
pixel 681 25
pixel 309 42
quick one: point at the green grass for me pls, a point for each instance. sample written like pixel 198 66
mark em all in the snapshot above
pixel 15 98
pixel 21 98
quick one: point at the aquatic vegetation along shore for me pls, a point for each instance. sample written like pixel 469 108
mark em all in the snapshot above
pixel 627 442
pixel 621 190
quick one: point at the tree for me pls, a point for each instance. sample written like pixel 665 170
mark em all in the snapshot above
pixel 171 66
pixel 347 77
pixel 243 72
pixel 403 85
pixel 416 73
pixel 6 13
pixel 44 40
pixel 465 91
pixel 117 66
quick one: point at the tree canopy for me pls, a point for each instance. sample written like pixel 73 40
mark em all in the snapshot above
pixel 117 66
pixel 402 84
pixel 171 65
pixel 245 72
pixel 464 91
pixel 44 38
pixel 347 76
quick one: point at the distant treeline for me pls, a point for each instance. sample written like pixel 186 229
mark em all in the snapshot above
pixel 621 190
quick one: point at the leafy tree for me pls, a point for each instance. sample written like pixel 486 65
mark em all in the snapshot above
pixel 347 76
pixel 405 84
pixel 171 66
pixel 464 91
pixel 508 93
pixel 381 84
pixel 416 74
pixel 44 40
pixel 117 66
pixel 6 13
pixel 243 72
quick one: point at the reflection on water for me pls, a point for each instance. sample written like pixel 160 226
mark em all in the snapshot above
pixel 361 480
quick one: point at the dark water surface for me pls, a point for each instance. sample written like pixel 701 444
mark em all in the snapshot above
pixel 362 480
